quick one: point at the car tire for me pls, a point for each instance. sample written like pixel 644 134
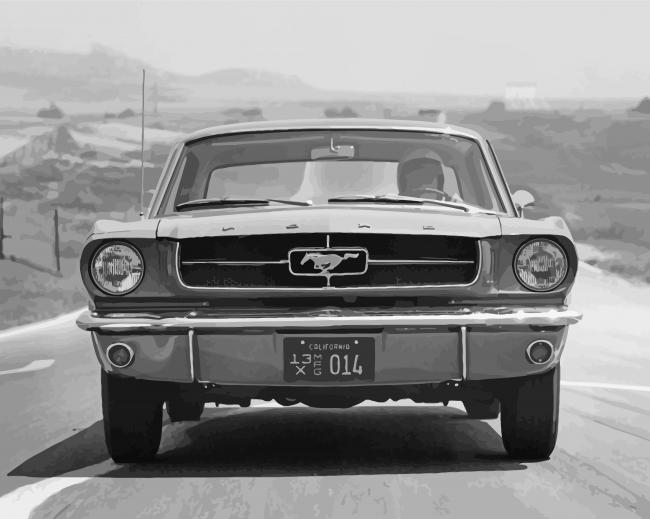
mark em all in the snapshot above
pixel 180 410
pixel 529 415
pixel 482 409
pixel 132 418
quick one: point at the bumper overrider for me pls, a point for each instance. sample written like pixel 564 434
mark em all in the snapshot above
pixel 417 347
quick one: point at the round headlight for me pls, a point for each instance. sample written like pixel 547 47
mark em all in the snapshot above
pixel 117 268
pixel 540 265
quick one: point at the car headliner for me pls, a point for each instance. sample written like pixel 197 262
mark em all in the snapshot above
pixel 332 124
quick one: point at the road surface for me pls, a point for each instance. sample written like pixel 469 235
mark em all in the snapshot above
pixel 401 461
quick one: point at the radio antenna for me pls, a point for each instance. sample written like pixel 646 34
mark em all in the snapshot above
pixel 142 151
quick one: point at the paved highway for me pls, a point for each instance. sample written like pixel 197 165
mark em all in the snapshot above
pixel 401 461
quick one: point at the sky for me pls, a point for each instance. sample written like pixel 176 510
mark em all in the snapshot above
pixel 567 49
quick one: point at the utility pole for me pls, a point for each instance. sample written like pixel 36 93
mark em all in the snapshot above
pixel 57 255
pixel 2 228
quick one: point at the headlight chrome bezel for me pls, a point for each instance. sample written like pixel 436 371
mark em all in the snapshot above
pixel 553 243
pixel 102 248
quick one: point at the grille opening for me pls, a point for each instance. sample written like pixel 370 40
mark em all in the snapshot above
pixel 262 261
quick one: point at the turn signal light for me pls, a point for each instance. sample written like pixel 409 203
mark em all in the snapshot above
pixel 539 352
pixel 119 354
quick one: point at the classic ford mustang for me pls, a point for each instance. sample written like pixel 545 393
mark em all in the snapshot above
pixel 328 263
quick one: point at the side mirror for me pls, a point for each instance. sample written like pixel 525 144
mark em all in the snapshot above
pixel 522 199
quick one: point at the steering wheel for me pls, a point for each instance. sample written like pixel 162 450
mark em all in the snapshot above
pixel 445 196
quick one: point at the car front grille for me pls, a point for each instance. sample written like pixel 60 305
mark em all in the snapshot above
pixel 390 260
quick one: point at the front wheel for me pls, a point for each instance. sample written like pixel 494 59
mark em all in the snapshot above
pixel 529 415
pixel 132 418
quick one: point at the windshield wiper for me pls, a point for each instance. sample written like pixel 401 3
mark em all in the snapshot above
pixel 225 202
pixel 401 199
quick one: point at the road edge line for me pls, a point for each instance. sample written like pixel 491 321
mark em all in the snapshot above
pixel 31 327
pixel 604 385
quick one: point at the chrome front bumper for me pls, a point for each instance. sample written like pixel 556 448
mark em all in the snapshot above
pixel 327 318
pixel 411 348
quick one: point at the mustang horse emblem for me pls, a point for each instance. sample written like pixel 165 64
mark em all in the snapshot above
pixel 327 262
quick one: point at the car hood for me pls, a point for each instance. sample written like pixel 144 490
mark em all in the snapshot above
pixel 339 219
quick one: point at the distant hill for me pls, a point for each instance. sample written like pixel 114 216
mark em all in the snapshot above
pixel 235 77
pixel 100 75
pixel 109 80
pixel 104 74
pixel 643 106
pixel 105 80
pixel 239 84
pixel 21 66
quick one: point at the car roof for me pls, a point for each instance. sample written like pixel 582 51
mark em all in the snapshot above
pixel 333 124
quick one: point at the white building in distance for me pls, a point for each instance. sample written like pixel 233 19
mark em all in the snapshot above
pixel 523 97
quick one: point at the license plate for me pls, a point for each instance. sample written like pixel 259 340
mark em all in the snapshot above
pixel 323 359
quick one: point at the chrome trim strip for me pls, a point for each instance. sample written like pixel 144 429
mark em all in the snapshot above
pixel 508 194
pixel 190 342
pixel 486 317
pixel 163 181
pixel 463 351
pixel 376 261
pixel 354 289
pixel 423 262
pixel 326 124
pixel 501 190
pixel 236 263
pixel 126 315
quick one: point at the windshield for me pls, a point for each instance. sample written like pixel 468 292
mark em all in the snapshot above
pixel 319 166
